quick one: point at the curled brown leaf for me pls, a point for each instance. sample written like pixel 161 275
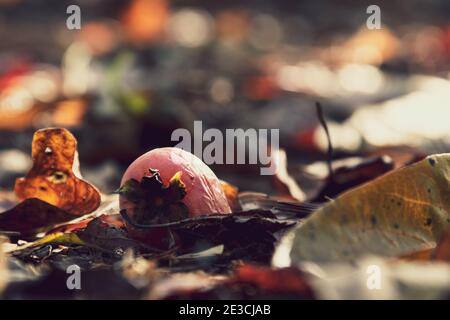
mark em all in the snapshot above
pixel 55 177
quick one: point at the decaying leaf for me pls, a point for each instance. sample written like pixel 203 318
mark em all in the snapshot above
pixel 97 234
pixel 248 281
pixel 284 282
pixel 404 211
pixel 348 172
pixel 107 237
pixel 55 177
pixel 53 238
pixel 107 212
pixel 353 172
pixel 32 215
pixel 247 234
pixel 112 219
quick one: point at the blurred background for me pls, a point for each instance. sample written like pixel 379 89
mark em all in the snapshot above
pixel 137 70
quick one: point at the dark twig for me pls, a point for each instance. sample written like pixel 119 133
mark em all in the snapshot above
pixel 198 219
pixel 201 218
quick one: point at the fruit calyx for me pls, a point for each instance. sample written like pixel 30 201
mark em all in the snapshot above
pixel 154 203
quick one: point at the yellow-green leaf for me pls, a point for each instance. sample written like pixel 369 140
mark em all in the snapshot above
pixel 401 212
pixel 54 238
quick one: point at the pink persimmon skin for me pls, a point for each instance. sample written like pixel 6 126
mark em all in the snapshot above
pixel 204 194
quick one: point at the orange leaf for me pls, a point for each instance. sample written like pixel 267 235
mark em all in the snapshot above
pixel 55 177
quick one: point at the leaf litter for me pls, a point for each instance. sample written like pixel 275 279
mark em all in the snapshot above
pixel 370 208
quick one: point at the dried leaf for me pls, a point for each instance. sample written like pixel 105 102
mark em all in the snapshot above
pixel 53 238
pixel 97 234
pixel 401 212
pixel 112 219
pixel 247 282
pixel 348 176
pixel 248 234
pixel 54 177
pixel 401 155
pixel 32 215
pixel 107 237
pixel 108 212
pixel 272 282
